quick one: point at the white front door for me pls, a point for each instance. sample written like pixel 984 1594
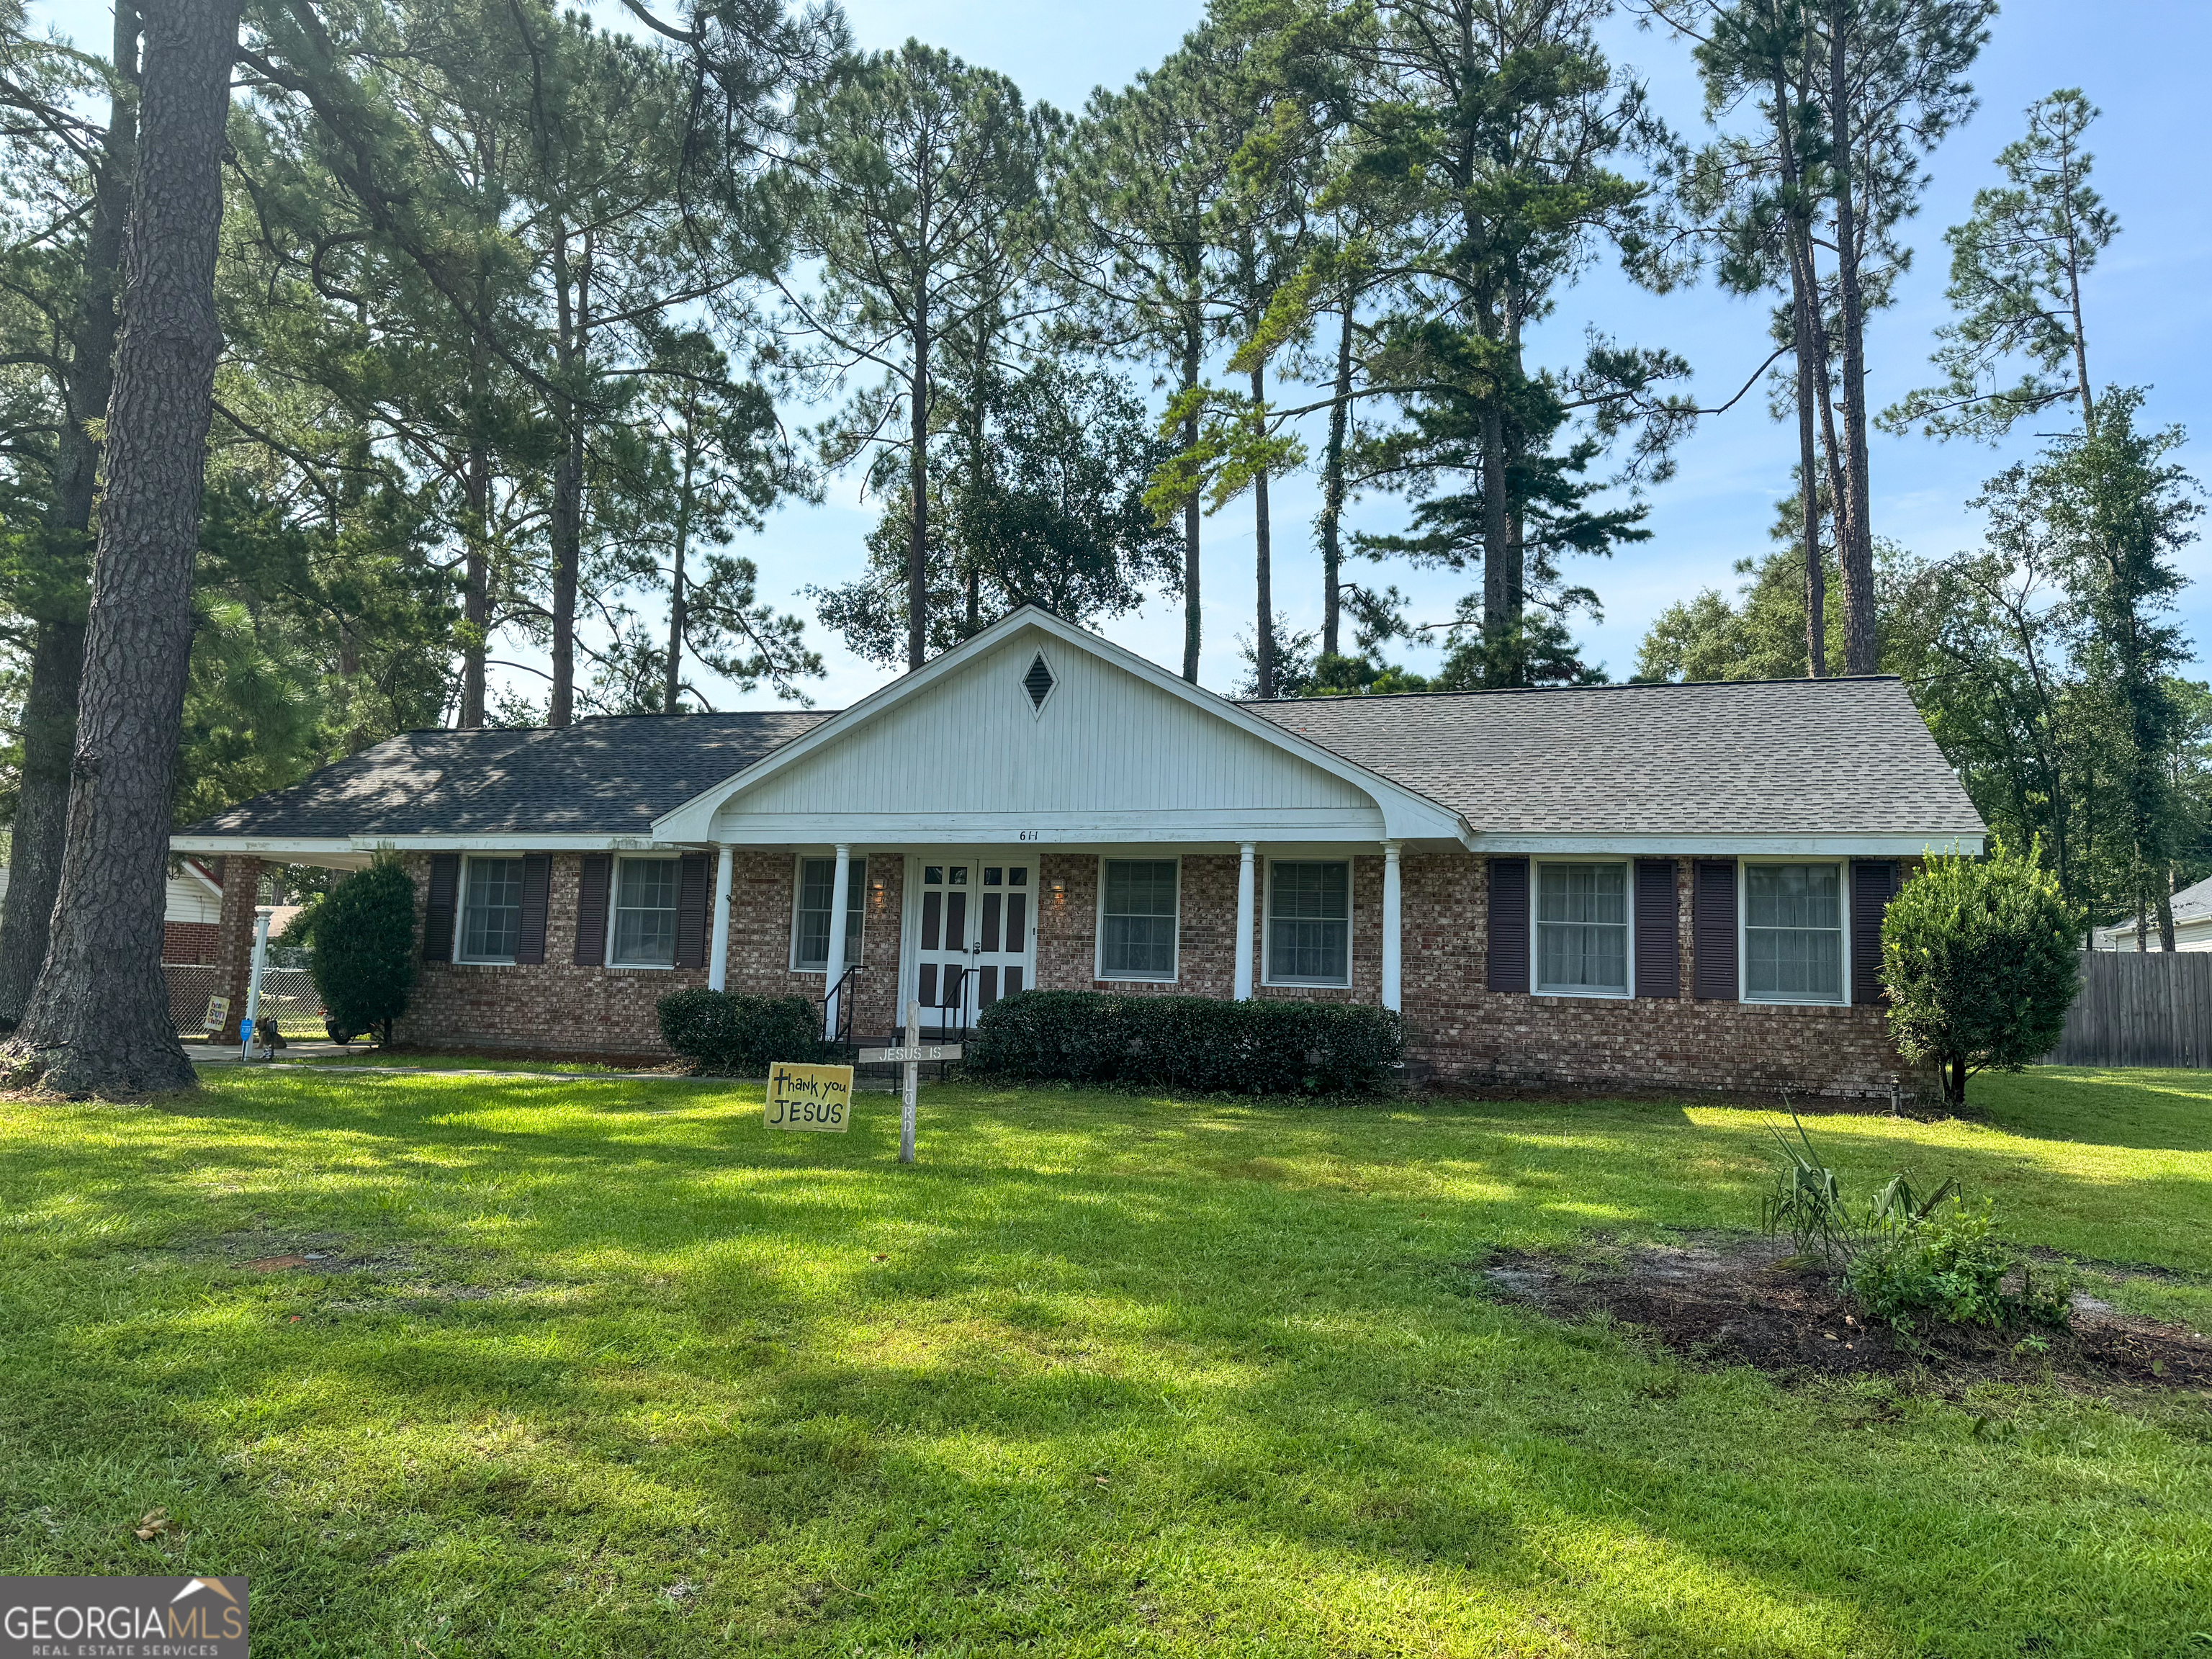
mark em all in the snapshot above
pixel 974 933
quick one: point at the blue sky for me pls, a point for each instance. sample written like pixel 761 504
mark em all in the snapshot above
pixel 2150 321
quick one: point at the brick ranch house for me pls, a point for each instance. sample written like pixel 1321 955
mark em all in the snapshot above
pixel 1653 885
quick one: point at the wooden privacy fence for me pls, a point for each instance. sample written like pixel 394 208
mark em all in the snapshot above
pixel 2139 1009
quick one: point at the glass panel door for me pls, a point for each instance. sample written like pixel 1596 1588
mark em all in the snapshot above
pixel 976 935
pixel 1004 920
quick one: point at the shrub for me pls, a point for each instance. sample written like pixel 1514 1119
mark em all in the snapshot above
pixel 726 1035
pixel 1809 1204
pixel 1207 1045
pixel 1941 1266
pixel 1980 958
pixel 1904 1259
pixel 363 934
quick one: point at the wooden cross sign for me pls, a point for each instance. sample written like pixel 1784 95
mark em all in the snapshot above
pixel 909 1055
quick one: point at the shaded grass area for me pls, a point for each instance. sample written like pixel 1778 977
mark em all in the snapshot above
pixel 367 1054
pixel 613 1370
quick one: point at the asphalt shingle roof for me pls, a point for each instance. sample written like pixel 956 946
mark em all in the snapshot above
pixel 1837 756
pixel 2189 904
pixel 1746 757
pixel 609 776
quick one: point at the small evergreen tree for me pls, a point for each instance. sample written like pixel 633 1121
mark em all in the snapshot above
pixel 1979 955
pixel 364 949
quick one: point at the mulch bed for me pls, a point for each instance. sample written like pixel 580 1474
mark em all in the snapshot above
pixel 1733 1300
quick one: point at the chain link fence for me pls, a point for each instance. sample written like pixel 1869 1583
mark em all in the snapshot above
pixel 288 997
pixel 191 985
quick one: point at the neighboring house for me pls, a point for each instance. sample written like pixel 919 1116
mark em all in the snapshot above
pixel 2192 924
pixel 1635 883
pixel 190 919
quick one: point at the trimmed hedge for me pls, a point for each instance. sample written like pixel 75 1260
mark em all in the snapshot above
pixel 1207 1045
pixel 724 1033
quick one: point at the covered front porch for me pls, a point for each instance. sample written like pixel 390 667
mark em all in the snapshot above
pixel 956 927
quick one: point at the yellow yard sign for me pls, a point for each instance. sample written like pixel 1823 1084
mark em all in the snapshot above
pixel 809 1097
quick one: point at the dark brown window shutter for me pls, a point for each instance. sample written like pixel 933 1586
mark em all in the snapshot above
pixel 691 910
pixel 438 914
pixel 1658 930
pixel 1509 924
pixel 1712 930
pixel 1873 886
pixel 597 868
pixel 537 882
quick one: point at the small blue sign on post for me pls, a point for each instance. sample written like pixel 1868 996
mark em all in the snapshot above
pixel 245 1036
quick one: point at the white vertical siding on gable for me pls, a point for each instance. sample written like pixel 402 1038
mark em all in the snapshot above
pixel 1106 741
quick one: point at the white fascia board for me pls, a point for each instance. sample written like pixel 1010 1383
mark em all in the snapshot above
pixel 1186 830
pixel 332 852
pixel 525 841
pixel 351 852
pixel 1405 815
pixel 1769 845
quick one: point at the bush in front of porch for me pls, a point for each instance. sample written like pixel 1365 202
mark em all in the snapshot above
pixel 723 1034
pixel 1205 1044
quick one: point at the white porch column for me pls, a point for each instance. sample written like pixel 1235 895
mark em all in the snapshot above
pixel 840 893
pixel 1244 920
pixel 1393 941
pixel 717 948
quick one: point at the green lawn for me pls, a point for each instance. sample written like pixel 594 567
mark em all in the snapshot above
pixel 611 1370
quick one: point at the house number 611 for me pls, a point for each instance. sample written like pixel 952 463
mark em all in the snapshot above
pixel 1028 835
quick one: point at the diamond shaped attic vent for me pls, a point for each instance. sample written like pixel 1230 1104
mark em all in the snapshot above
pixel 1038 682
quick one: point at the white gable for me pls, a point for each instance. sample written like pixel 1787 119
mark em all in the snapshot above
pixel 1119 752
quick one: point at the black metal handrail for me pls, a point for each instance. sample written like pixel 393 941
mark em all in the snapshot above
pixel 952 1001
pixel 842 1034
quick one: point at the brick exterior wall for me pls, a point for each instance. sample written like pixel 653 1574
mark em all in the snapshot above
pixel 191 941
pixel 562 1007
pixel 1459 1030
pixel 1464 1032
pixel 233 947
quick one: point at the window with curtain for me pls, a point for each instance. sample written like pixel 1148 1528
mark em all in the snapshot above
pixel 1793 933
pixel 1137 920
pixel 1309 924
pixel 645 912
pixel 1581 928
pixel 817 885
pixel 492 910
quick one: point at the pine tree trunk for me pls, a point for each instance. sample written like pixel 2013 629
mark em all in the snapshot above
pixel 917 541
pixel 672 687
pixel 49 716
pixel 98 1019
pixel 567 526
pixel 1804 303
pixel 1263 650
pixel 476 535
pixel 1191 626
pixel 1498 618
pixel 1854 551
pixel 1332 491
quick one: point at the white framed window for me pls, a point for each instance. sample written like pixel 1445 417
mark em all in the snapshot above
pixel 815 887
pixel 1309 932
pixel 491 910
pixel 1582 942
pixel 644 933
pixel 1139 913
pixel 1795 949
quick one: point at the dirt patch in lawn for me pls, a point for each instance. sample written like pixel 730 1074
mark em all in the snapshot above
pixel 1728 1299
